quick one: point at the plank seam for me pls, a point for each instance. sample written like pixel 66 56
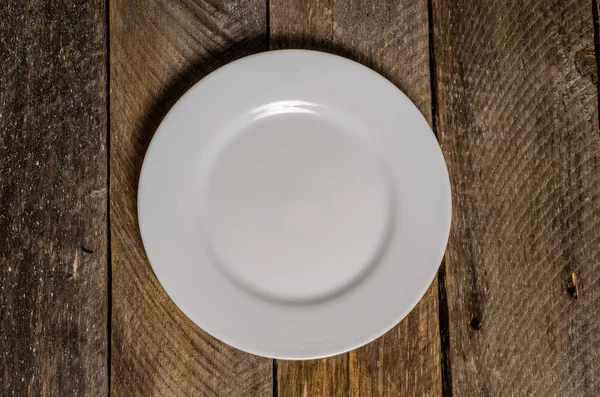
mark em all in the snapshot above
pixel 108 223
pixel 443 316
pixel 275 385
pixel 444 322
pixel 432 70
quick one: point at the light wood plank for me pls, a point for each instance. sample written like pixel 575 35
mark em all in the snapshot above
pixel 158 49
pixel 391 37
pixel 518 124
pixel 53 241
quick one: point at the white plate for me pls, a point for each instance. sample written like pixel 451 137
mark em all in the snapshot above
pixel 294 204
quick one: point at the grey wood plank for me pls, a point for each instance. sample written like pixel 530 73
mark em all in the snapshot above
pixel 158 49
pixel 392 37
pixel 518 124
pixel 53 240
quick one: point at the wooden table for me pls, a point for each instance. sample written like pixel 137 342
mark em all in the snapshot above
pixel 510 89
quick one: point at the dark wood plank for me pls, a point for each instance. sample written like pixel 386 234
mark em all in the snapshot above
pixel 53 302
pixel 392 38
pixel 518 123
pixel 158 49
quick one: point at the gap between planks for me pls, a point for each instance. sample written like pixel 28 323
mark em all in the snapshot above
pixel 108 224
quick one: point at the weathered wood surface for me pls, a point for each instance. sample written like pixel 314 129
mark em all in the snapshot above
pixel 391 37
pixel 53 241
pixel 158 49
pixel 515 88
pixel 518 124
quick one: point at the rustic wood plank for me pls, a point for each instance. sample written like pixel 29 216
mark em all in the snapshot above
pixel 518 123
pixel 392 38
pixel 158 49
pixel 53 261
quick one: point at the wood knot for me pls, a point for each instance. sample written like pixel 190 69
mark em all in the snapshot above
pixel 573 286
pixel 585 62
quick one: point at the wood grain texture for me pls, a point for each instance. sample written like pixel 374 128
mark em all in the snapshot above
pixel 158 49
pixel 392 38
pixel 53 306
pixel 518 124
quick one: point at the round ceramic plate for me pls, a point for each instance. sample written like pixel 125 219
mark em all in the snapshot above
pixel 294 204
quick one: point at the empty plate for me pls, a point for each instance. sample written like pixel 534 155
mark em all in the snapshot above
pixel 294 204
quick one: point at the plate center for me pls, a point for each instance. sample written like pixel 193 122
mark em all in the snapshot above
pixel 295 206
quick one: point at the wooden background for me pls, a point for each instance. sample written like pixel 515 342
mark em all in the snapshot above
pixel 511 91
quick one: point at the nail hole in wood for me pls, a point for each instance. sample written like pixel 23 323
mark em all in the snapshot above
pixel 573 286
pixel 475 323
pixel 86 250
